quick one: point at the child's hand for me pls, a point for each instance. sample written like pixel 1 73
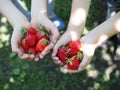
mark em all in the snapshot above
pixel 15 43
pixel 64 39
pixel 52 30
pixel 88 49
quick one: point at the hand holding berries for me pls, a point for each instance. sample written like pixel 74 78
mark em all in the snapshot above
pixel 71 54
pixel 34 41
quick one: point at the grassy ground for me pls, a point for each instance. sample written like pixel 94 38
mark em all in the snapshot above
pixel 17 74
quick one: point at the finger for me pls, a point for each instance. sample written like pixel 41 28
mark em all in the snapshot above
pixel 86 60
pixel 25 56
pixel 17 51
pixel 36 58
pixel 46 50
pixel 32 56
pixel 54 36
pixel 57 61
pixel 60 42
pixel 55 58
pixel 55 49
pixel 73 71
pixel 65 66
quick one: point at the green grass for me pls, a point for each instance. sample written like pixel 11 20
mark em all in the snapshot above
pixel 17 74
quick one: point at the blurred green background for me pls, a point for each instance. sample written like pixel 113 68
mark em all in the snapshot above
pixel 17 74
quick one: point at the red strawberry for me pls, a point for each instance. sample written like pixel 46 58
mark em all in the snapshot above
pixel 75 44
pixel 72 52
pixel 30 40
pixel 42 43
pixel 32 50
pixel 31 30
pixel 41 34
pixel 63 54
pixel 74 63
pixel 24 46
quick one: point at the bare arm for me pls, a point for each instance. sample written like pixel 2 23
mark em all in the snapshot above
pixel 105 30
pixel 78 15
pixel 14 16
pixel 38 6
pixel 95 37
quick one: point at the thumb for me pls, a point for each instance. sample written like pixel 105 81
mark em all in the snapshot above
pixel 54 53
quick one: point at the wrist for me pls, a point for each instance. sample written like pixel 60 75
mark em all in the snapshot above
pixel 21 24
pixel 78 30
pixel 92 40
pixel 74 34
pixel 38 7
pixel 35 17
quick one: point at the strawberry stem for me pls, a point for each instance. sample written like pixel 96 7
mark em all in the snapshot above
pixel 70 59
pixel 43 30
pixel 24 31
pixel 44 40
pixel 80 55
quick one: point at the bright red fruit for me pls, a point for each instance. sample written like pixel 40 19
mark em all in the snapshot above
pixel 30 40
pixel 72 52
pixel 31 30
pixel 32 50
pixel 24 46
pixel 42 43
pixel 75 44
pixel 74 64
pixel 63 54
pixel 41 34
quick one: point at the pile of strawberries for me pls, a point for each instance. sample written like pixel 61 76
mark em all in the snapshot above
pixel 33 40
pixel 71 54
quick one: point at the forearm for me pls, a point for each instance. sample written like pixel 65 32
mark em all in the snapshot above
pixel 14 16
pixel 38 6
pixel 78 15
pixel 104 30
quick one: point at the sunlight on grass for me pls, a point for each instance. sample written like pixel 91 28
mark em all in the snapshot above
pixel 3 29
pixel 63 70
pixel 11 79
pixel 6 86
pixel 3 20
pixel 23 4
pixel 85 31
pixel 117 74
pixel 107 57
pixel 108 71
pixel 96 86
pixel 4 37
pixel 92 72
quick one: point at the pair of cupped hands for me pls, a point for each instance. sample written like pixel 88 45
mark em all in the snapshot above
pixel 55 42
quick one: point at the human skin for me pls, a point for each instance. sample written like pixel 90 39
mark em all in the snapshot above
pixel 75 26
pixel 96 37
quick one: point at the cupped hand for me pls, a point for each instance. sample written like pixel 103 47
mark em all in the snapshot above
pixel 16 40
pixel 88 52
pixel 68 36
pixel 51 29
